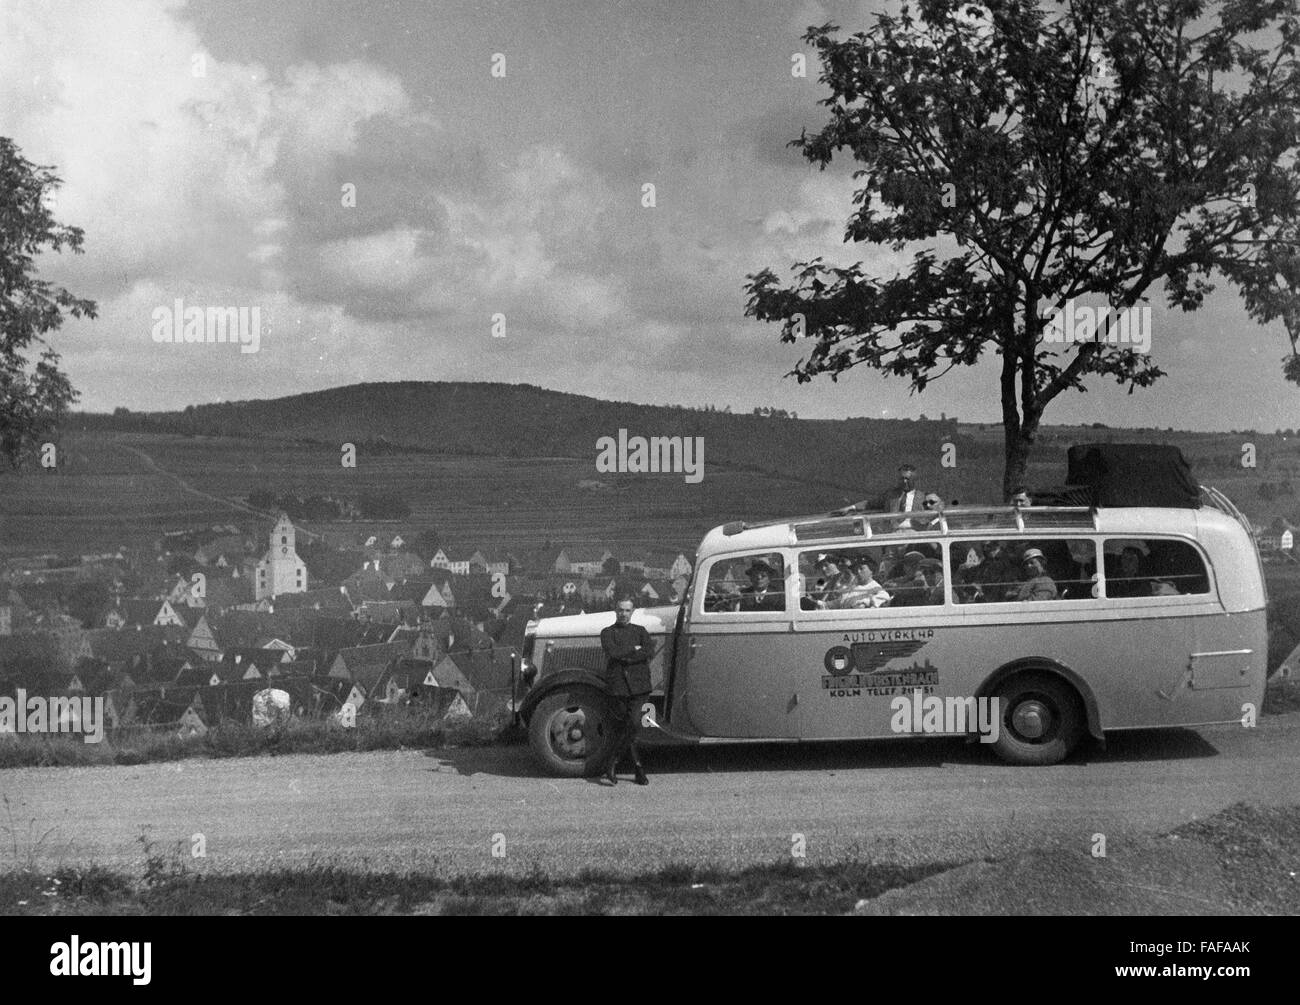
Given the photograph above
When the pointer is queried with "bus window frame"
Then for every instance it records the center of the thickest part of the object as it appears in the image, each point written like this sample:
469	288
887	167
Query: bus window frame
873	613
1211	592
699	614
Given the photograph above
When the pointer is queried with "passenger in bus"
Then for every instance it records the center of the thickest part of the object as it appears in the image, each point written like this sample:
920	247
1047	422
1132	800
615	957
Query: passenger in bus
1127	580
1020	498
932	572
865	592
902	498
933	506
1078	579
831	583
908	587
1037	585
991	576
760	595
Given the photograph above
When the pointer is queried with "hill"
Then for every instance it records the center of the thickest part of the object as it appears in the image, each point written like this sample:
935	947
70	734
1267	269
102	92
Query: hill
520	420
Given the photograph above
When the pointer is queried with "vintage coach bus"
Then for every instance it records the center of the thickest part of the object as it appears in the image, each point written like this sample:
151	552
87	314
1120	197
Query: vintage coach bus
1077	619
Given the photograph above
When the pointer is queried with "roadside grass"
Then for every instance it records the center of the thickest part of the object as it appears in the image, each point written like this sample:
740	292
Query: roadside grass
167	887
1257	849
392	729
396	729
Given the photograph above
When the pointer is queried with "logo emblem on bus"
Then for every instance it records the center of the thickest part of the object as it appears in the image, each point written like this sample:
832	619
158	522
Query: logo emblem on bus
868	657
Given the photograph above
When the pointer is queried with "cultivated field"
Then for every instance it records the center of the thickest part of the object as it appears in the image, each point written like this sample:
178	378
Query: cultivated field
113	488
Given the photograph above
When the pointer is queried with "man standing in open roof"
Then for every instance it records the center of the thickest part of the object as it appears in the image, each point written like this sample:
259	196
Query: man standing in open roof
902	498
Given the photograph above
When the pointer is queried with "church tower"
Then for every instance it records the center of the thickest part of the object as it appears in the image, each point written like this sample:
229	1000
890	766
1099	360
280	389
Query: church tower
281	570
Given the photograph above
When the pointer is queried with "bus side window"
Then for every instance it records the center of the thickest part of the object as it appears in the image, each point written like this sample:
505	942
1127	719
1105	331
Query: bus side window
1141	567
746	584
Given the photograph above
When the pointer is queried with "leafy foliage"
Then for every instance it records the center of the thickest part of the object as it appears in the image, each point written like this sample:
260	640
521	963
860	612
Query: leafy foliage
33	397
1032	156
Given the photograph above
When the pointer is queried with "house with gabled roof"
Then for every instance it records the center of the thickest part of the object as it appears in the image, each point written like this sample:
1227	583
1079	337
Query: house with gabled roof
401	565
112	615
389	612
191	723
447	673
462	561
152	612
251	664
367	583
136	648
430	592
331	600
201	674
421	639
665	563
496	560
364	663
580	560
203	641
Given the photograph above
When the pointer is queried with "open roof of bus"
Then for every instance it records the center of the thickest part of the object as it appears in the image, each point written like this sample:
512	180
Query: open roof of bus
1003	520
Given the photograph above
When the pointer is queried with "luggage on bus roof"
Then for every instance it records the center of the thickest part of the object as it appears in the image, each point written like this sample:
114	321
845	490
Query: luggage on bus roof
1134	474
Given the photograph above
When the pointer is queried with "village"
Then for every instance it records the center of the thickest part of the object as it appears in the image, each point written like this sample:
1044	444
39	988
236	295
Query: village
180	637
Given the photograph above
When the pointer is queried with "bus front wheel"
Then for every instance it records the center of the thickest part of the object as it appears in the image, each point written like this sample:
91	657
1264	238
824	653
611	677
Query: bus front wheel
571	732
1041	720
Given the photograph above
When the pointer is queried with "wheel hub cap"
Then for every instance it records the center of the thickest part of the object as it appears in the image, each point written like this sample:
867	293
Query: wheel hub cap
1031	719
569	733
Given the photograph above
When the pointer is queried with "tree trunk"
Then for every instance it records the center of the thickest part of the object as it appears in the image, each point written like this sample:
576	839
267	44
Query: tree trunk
1016	460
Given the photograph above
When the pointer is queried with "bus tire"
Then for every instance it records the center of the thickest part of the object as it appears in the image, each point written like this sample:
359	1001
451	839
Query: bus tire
1041	720
571	732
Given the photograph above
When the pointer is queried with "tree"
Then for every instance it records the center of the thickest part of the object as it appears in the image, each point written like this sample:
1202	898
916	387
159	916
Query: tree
1034	157
33	397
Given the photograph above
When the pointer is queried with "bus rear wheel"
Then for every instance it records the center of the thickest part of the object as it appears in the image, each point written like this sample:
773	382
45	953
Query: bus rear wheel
1041	720
572	732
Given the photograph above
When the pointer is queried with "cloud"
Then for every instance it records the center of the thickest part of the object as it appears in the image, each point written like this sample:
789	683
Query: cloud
175	163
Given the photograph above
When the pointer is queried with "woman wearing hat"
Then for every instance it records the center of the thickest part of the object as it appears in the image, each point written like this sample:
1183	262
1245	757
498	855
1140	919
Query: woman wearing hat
865	592
1038	585
833	580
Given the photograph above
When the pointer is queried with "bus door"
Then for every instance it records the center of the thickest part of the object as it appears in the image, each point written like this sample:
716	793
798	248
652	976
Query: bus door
737	679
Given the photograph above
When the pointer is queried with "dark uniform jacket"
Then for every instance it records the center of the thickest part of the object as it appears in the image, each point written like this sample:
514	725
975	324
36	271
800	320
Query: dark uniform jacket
627	672
772	600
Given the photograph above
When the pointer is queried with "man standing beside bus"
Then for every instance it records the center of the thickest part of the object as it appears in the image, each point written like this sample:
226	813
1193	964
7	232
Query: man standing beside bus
628	649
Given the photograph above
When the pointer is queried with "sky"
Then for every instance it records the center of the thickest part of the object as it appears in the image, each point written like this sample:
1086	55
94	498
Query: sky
210	151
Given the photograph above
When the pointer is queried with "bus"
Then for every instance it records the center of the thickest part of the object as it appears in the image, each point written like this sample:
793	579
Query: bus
1060	622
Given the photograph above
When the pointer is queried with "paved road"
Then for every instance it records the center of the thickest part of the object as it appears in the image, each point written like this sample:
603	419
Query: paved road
902	801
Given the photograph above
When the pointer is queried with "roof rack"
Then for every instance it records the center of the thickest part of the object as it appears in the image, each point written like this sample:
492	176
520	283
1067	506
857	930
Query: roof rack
1225	505
985	518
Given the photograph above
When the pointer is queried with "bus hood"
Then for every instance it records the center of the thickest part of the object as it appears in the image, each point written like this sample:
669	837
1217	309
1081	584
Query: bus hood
656	620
